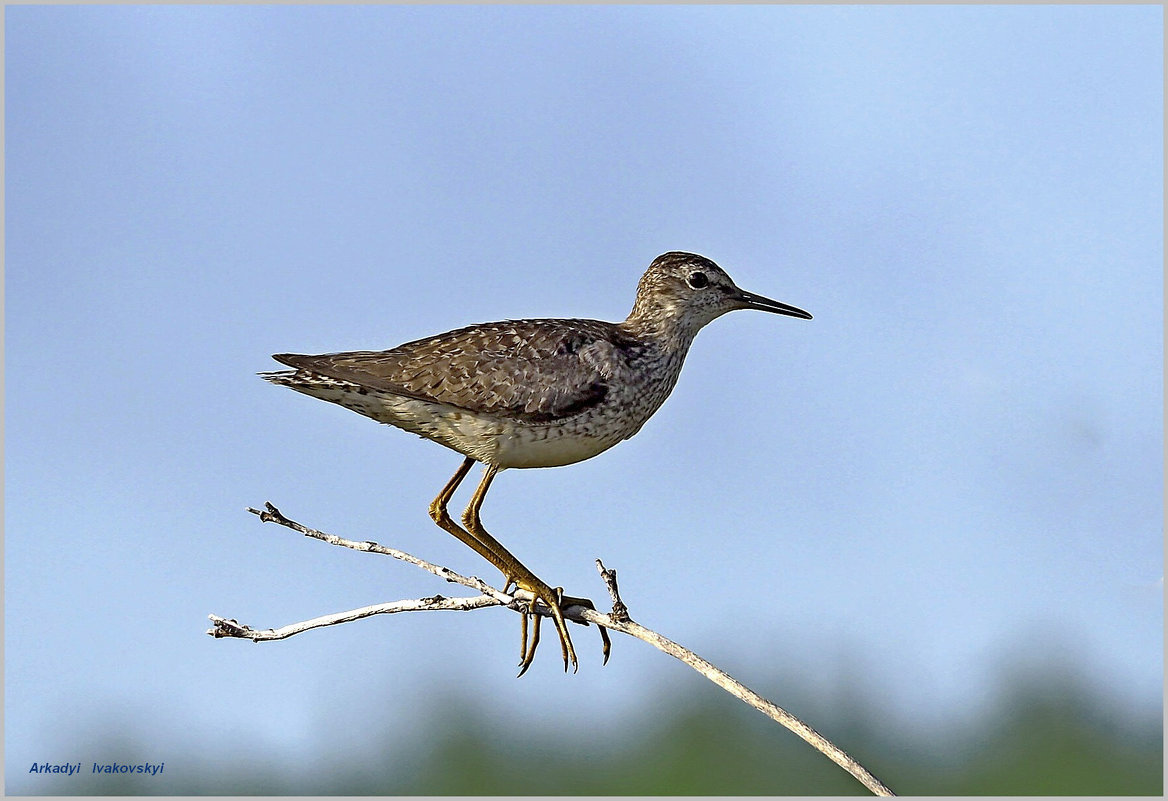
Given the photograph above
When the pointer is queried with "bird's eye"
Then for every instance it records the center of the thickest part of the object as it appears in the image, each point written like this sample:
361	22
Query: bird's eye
698	280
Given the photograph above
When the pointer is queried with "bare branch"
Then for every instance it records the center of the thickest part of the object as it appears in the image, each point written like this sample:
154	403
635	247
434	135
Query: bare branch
620	612
233	628
618	620
728	683
273	515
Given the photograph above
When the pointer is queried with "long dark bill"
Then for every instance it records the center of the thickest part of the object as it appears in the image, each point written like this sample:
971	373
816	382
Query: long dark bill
749	300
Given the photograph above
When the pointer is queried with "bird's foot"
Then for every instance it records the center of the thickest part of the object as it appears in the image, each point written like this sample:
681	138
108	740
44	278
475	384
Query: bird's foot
567	601
555	601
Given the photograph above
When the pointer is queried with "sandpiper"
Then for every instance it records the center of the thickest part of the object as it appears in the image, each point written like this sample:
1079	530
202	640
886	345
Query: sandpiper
532	393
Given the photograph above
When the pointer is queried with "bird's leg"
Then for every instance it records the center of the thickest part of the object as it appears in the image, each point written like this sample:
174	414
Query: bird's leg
525	579
514	570
440	516
486	549
438	511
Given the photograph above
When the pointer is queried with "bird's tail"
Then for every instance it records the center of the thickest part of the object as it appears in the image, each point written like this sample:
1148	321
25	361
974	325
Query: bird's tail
285	378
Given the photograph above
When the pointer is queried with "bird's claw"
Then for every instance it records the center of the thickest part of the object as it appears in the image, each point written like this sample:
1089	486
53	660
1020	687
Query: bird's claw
555	601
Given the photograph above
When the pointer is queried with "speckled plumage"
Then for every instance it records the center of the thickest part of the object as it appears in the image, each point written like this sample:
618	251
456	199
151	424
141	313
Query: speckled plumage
533	393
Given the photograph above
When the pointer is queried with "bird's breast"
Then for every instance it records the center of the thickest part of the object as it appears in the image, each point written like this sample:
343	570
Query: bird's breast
631	400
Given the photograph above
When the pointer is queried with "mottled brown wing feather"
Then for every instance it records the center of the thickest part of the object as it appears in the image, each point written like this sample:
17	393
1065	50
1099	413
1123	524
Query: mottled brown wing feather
533	370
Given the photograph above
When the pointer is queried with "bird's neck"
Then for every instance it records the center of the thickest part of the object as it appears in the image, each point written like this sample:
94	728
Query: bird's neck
662	327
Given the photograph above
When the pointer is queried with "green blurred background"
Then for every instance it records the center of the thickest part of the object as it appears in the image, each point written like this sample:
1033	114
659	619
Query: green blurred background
1046	730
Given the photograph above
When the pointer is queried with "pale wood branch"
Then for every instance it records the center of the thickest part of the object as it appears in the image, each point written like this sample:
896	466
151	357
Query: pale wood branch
223	627
519	601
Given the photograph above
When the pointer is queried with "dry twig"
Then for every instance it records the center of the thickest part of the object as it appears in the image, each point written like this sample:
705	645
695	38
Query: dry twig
617	620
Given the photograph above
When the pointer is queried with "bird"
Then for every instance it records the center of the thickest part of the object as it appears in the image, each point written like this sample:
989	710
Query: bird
532	393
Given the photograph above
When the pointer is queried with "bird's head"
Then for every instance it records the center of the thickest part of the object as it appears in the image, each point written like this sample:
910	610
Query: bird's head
686	291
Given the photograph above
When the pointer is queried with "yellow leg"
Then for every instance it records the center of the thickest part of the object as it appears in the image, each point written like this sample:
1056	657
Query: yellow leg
477	537
440	516
514	570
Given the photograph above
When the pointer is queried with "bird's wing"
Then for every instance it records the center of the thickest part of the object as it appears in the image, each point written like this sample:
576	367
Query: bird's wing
533	370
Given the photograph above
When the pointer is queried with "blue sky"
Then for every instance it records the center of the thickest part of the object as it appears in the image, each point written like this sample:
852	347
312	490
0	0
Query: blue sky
957	461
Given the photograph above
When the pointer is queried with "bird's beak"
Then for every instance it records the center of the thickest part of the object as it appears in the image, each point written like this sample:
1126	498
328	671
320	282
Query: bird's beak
749	300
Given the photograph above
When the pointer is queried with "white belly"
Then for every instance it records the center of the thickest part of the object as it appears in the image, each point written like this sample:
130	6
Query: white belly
548	446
